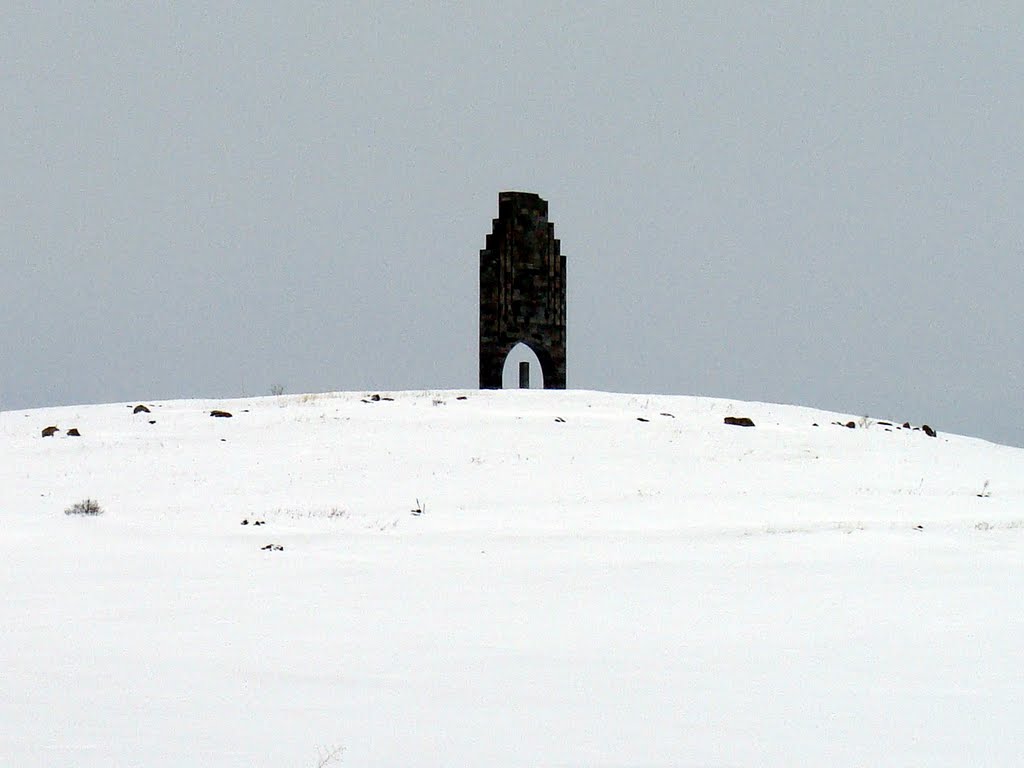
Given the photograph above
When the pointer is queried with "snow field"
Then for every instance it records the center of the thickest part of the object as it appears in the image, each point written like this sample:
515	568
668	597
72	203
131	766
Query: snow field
598	592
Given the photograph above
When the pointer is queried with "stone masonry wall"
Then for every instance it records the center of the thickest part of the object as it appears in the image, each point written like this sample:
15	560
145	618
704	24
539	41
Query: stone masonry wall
522	290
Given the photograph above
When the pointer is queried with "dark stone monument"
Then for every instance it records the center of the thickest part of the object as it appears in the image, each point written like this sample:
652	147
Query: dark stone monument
522	290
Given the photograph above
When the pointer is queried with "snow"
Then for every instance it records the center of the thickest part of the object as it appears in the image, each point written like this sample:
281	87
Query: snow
600	591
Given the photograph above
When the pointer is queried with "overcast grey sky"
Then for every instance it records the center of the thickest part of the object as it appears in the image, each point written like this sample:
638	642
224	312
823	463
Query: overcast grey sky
795	202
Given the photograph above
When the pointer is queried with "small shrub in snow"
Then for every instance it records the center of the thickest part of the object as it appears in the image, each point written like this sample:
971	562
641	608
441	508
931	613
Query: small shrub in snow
334	513
328	755
84	507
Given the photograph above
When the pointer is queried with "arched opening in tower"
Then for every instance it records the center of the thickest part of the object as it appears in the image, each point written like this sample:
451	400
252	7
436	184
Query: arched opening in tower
512	370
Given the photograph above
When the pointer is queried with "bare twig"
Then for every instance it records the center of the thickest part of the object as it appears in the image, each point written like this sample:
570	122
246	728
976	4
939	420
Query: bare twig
328	755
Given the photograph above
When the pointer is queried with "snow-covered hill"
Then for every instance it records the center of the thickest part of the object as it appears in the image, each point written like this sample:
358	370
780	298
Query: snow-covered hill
506	579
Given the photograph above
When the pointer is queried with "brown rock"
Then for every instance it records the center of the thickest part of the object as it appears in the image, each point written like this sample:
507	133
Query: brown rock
49	431
739	421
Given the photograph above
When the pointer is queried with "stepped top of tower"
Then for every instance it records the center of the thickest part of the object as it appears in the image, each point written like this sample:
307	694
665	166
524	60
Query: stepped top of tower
522	201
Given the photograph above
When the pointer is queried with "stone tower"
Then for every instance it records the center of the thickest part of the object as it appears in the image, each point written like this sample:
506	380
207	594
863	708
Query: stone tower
522	290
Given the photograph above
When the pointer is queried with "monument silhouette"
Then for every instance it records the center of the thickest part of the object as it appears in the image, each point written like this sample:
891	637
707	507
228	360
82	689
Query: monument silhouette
522	291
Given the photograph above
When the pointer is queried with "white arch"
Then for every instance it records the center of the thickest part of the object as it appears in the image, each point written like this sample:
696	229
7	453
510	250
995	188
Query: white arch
521	353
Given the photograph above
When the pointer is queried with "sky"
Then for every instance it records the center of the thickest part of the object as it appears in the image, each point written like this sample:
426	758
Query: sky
803	203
